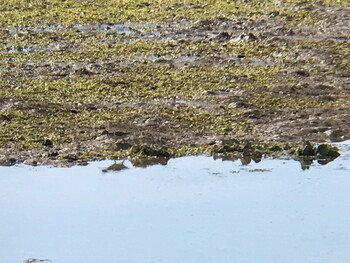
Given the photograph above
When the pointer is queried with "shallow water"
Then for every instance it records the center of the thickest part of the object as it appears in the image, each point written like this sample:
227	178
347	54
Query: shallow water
195	209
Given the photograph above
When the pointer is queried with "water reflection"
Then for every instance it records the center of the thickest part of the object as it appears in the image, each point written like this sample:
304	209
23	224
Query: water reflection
145	162
194	209
246	158
306	162
115	167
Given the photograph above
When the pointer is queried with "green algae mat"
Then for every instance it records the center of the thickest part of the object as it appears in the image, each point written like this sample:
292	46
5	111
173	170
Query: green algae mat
82	80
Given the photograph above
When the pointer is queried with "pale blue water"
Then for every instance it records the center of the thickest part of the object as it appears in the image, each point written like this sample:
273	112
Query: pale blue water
195	209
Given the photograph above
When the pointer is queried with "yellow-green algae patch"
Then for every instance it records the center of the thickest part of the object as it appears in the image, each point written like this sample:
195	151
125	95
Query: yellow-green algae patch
19	12
137	83
27	129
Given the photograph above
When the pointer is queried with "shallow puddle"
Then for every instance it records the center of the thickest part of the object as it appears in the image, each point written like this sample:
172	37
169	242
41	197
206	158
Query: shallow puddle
194	209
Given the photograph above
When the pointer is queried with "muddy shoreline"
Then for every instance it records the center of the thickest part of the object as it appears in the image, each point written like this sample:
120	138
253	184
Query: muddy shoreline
250	84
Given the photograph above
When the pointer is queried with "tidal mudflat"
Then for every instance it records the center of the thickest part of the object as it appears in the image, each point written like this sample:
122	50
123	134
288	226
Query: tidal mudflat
82	81
194	209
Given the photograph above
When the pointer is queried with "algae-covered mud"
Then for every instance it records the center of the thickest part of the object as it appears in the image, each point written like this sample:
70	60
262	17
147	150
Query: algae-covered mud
82	80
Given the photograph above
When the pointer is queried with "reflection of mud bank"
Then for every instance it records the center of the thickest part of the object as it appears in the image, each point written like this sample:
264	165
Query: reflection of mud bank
232	150
306	154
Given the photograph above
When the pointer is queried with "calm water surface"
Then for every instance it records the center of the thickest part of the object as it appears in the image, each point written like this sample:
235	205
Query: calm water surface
195	209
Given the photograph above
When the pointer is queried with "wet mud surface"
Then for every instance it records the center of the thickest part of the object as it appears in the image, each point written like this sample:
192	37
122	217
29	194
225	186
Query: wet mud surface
262	83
